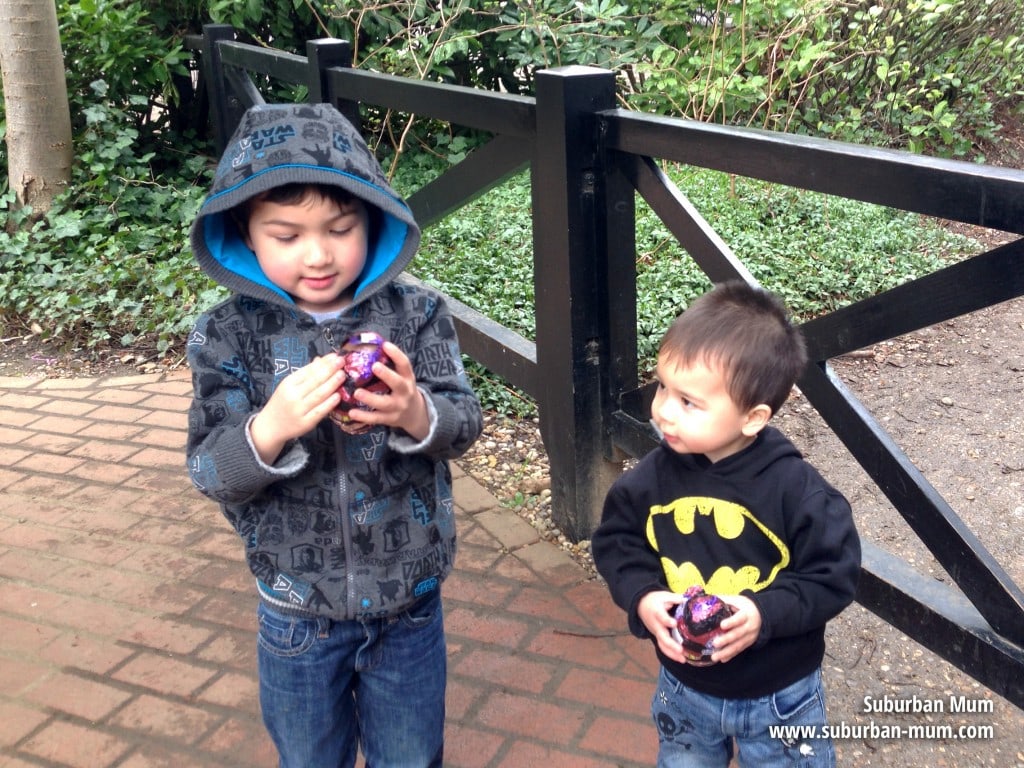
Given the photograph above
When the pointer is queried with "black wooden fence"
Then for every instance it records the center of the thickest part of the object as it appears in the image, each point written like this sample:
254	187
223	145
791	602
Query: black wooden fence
588	161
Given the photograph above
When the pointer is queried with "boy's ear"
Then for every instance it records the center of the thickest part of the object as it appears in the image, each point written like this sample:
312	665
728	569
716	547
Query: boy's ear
757	419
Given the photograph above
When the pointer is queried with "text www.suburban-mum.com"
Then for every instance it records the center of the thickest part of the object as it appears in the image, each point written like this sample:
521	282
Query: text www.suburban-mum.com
873	730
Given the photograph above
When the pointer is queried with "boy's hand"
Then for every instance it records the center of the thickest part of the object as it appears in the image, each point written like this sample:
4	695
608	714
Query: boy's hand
655	611
739	631
300	402
403	407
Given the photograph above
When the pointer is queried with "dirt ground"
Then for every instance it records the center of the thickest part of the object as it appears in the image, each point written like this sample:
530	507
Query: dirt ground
950	397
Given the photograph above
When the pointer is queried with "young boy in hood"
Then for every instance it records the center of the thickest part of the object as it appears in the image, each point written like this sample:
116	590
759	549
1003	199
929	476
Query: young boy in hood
727	504
349	532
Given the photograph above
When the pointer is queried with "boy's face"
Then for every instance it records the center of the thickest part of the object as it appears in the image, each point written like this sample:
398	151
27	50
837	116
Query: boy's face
695	413
313	249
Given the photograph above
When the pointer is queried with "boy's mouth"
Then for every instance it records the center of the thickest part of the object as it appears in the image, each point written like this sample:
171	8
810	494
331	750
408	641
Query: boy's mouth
319	283
674	441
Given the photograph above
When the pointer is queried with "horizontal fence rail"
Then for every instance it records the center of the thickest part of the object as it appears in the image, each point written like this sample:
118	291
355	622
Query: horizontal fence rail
588	163
984	195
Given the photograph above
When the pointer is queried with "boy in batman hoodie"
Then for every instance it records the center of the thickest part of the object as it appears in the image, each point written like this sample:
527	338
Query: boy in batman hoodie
726	503
348	532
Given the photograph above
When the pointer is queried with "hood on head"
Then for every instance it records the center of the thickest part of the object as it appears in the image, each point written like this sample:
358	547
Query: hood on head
277	144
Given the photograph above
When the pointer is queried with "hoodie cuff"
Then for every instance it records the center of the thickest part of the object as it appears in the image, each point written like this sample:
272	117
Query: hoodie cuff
401	441
290	462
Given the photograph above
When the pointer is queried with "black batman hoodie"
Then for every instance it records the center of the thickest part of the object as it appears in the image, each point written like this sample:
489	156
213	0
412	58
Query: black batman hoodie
762	523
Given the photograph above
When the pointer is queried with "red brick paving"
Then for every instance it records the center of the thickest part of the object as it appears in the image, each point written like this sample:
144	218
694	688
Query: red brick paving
126	616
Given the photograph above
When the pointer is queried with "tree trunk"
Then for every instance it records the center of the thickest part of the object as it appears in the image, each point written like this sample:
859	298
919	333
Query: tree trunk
39	149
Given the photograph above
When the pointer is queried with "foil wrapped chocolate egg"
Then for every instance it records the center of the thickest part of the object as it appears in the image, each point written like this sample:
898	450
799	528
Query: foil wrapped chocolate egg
698	619
360	351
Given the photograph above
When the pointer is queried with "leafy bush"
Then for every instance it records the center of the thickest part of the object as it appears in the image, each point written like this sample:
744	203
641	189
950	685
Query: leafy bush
928	75
117	40
917	74
921	74
109	264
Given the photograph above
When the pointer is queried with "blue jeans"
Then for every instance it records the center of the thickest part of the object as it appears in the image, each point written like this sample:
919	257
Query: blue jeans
330	687
697	731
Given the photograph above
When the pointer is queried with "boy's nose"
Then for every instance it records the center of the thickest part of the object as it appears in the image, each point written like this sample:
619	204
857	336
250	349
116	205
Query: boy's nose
658	410
318	252
662	410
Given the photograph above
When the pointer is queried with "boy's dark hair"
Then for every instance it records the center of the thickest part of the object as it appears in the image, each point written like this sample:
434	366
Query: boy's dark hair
293	194
296	192
746	331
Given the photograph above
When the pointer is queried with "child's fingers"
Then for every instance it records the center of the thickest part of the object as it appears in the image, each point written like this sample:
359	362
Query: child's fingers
399	379
378	403
402	365
310	389
398	357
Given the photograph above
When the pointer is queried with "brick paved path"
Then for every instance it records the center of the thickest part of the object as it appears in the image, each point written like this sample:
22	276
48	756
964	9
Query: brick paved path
127	615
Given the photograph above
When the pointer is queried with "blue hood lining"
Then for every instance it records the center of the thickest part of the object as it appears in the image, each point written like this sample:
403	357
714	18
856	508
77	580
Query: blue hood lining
226	246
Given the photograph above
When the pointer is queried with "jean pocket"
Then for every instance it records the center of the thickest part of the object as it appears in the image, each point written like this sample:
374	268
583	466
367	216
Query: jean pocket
423	612
802	698
284	635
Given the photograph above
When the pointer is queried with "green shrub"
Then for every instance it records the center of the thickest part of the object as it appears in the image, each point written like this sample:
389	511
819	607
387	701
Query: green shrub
117	41
918	74
109	264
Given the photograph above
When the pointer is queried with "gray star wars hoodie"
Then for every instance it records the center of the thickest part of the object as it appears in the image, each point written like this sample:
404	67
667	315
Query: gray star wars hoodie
344	526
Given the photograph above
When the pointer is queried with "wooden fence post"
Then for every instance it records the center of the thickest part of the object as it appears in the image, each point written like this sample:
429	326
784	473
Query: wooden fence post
571	284
219	95
322	55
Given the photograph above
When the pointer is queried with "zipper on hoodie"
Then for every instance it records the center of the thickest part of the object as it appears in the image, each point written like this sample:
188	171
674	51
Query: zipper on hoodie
328	337
346	523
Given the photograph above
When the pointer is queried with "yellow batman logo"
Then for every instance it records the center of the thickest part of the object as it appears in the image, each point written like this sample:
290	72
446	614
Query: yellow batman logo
717	569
